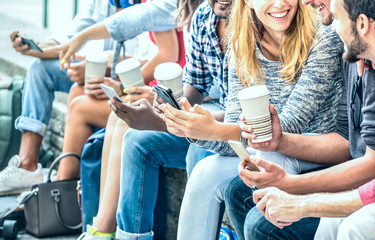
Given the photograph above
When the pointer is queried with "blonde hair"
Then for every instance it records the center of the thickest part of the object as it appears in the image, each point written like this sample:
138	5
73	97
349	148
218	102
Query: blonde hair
295	45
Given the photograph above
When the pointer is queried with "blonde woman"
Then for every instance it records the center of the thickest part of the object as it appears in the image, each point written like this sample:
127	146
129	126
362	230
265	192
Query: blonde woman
276	43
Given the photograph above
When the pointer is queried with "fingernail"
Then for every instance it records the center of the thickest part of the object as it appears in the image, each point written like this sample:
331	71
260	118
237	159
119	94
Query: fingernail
125	90
62	62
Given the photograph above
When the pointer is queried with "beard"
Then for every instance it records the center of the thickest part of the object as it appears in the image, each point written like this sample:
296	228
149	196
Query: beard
355	47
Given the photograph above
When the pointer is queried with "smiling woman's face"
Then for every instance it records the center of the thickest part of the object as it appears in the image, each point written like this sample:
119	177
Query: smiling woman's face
275	15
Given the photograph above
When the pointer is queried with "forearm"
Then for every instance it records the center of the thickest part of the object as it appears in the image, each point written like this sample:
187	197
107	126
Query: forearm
95	32
331	205
329	148
342	177
227	131
192	95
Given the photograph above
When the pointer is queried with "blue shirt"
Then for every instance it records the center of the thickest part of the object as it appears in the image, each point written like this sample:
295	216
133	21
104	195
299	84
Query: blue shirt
205	63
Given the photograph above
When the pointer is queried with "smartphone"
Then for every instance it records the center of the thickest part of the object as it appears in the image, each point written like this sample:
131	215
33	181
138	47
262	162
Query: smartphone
167	95
243	154
31	43
110	92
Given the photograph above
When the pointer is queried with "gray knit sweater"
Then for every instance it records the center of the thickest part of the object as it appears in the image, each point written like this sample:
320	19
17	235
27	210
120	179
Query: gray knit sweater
308	105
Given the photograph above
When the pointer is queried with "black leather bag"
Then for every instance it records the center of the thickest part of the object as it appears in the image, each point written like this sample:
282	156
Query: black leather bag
52	207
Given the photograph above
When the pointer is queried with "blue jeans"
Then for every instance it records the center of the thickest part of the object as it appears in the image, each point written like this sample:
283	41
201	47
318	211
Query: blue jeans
194	155
142	154
249	223
43	78
203	207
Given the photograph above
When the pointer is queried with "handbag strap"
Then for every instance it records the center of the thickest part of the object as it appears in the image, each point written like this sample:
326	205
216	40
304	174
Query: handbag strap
57	160
56	198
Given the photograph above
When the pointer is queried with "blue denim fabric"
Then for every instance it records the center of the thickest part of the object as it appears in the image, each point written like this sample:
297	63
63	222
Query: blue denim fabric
91	162
249	223
43	78
194	155
142	154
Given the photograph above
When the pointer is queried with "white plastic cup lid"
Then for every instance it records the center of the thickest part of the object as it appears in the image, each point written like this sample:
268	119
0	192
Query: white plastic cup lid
253	92
127	65
97	57
167	71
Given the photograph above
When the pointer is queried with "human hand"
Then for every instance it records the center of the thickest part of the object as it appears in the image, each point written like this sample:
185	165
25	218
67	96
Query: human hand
94	89
362	66
76	72
157	102
137	92
278	207
139	115
270	174
68	50
24	49
277	135
193	122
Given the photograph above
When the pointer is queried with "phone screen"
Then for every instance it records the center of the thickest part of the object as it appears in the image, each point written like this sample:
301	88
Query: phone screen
110	92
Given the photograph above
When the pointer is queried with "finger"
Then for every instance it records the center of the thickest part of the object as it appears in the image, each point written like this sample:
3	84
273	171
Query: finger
267	166
124	107
62	60
258	195
97	81
175	113
242	165
261	205
13	36
80	58
199	109
134	89
185	104
242	117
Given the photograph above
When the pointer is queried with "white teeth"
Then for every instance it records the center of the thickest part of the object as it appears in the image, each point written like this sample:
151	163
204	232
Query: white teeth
279	15
321	7
224	3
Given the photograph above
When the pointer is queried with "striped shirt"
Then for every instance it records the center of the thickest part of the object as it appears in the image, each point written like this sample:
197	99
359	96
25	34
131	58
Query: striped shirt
308	105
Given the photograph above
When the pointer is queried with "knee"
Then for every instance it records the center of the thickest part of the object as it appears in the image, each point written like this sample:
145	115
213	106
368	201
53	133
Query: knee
232	192
133	138
76	90
255	225
78	105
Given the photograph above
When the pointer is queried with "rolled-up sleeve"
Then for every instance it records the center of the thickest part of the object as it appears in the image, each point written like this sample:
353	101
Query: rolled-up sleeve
157	15
367	192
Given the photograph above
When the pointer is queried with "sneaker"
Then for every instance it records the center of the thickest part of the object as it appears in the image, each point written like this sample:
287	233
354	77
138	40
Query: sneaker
93	234
14	180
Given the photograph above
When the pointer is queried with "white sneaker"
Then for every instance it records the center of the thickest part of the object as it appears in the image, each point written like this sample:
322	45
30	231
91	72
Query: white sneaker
14	180
93	234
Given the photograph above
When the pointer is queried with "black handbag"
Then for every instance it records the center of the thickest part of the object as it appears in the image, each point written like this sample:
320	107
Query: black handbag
52	208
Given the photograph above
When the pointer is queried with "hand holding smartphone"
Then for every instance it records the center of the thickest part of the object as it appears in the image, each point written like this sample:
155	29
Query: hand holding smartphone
31	43
167	95
243	154
110	92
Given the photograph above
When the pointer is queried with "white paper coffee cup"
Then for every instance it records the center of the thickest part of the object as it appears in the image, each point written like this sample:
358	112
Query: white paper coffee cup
170	75
96	66
129	72
255	107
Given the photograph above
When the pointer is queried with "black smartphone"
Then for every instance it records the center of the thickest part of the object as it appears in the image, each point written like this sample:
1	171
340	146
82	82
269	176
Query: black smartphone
31	43
167	95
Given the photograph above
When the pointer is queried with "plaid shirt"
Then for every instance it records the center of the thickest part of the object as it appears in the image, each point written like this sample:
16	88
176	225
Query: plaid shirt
204	61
